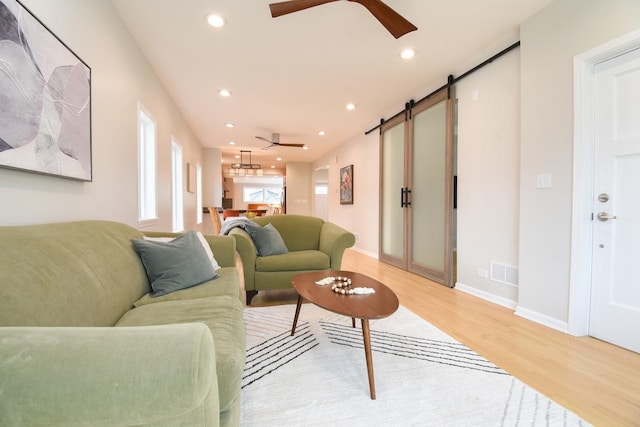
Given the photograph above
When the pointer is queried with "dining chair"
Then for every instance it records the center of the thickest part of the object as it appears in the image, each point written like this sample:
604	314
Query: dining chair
215	219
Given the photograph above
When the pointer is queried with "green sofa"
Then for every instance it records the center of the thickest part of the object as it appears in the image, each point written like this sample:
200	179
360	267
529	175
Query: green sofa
312	243
83	343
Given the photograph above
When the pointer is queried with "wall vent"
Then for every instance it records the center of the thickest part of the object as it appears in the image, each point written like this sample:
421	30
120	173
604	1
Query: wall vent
504	273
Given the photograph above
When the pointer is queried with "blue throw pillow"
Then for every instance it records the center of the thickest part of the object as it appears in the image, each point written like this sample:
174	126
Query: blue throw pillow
179	264
267	240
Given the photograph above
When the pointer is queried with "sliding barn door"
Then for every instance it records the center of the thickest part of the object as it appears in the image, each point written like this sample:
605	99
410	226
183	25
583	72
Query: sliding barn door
393	228
417	190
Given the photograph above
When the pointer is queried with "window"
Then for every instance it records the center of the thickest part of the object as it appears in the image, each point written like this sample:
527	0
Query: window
176	192
322	189
262	194
198	194
147	200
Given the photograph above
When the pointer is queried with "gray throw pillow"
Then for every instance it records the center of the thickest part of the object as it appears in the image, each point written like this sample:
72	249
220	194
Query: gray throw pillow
267	240
179	264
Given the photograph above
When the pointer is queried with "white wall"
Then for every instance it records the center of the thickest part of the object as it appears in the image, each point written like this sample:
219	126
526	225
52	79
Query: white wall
212	178
550	40
299	188
488	175
120	78
361	218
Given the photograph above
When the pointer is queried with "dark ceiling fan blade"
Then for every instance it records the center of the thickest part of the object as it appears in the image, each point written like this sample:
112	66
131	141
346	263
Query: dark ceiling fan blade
392	20
275	140
265	139
285	7
289	145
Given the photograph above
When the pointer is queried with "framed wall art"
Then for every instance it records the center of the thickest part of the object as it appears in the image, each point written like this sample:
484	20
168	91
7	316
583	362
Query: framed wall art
45	113
346	185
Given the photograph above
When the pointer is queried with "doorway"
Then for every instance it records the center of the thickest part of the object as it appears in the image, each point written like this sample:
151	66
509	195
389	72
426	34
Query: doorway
321	193
605	296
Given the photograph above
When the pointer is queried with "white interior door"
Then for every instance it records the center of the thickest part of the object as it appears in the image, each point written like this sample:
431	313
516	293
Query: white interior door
615	290
322	203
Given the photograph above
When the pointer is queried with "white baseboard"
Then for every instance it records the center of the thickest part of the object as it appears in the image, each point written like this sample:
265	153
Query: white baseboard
487	296
363	252
543	319
534	316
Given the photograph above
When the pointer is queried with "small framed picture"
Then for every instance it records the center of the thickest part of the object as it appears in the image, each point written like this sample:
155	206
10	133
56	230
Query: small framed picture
346	185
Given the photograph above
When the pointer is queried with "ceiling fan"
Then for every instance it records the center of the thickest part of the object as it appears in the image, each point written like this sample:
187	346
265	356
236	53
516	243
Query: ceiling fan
392	21
275	140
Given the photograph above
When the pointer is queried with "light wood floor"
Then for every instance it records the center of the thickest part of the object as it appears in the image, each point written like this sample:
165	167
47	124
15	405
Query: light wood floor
596	380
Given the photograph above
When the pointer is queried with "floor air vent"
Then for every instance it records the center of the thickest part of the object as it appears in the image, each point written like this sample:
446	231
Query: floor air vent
504	273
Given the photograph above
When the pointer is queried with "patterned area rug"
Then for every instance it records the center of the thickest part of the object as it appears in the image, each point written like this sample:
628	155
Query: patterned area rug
423	377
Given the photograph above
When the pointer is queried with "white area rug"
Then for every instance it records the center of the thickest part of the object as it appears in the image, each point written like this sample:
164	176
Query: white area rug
423	377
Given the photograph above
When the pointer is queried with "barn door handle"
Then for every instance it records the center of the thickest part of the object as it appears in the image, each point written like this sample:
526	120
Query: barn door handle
404	197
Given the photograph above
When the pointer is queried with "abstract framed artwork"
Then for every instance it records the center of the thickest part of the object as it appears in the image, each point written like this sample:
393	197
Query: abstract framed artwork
45	93
346	185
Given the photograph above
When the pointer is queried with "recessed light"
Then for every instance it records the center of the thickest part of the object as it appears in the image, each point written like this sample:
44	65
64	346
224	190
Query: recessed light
322	133
305	148
237	156
224	92
407	54
215	20
229	125
273	167
232	143
279	159
351	106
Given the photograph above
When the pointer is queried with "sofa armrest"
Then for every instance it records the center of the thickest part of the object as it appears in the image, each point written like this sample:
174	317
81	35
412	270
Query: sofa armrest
223	247
333	242
248	254
151	375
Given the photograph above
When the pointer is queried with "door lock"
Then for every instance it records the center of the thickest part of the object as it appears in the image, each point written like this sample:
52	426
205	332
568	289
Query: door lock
603	216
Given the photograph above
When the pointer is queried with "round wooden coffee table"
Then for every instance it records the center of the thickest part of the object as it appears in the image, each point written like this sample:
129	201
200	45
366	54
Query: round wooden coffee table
381	304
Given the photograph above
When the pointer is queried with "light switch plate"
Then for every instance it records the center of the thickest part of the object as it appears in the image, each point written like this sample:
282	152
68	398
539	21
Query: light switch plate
543	180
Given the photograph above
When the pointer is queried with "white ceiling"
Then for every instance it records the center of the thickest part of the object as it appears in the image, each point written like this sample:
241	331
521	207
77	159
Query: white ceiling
295	74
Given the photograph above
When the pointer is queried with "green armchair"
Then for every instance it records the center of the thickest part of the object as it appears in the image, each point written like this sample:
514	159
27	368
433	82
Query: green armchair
313	244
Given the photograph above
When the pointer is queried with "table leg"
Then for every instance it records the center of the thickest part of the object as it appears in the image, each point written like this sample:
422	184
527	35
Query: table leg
367	352
353	322
295	319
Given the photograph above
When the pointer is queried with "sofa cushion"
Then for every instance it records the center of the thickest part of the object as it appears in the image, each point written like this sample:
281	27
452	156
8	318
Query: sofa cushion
175	265
82	273
267	240
223	316
299	232
227	283
203	241
86	376
294	261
